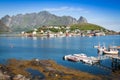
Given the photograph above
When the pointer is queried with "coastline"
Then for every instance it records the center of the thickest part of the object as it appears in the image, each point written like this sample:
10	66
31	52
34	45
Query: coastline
49	68
45	35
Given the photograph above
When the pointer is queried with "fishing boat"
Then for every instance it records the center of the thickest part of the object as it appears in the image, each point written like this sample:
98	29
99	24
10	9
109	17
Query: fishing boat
111	51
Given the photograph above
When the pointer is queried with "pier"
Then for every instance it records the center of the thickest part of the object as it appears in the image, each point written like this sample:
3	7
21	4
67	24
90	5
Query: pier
96	61
82	57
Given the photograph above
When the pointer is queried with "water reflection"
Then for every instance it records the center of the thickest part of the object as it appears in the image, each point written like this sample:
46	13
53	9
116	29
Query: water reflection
113	59
34	38
36	74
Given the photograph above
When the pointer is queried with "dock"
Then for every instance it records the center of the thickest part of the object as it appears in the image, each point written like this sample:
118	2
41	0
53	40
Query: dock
81	58
96	61
90	60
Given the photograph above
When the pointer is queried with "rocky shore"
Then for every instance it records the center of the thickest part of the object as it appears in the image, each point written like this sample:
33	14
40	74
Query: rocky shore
49	70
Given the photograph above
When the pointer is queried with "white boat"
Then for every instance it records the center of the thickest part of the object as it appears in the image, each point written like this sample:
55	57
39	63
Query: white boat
73	58
111	51
90	60
66	57
87	61
80	55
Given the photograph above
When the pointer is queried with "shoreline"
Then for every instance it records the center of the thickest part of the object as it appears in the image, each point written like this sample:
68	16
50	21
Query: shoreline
45	35
49	70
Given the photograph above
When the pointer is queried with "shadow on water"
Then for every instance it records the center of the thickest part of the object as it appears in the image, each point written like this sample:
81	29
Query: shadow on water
35	74
114	63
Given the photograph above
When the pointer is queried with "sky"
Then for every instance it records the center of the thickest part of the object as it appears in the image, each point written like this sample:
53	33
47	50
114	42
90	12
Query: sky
105	13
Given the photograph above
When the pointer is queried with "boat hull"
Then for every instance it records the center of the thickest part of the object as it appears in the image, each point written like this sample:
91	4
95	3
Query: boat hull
110	52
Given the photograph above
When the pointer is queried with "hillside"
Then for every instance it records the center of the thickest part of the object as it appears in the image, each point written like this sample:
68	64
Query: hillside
86	26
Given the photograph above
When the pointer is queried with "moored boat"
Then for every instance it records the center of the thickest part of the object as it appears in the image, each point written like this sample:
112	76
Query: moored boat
111	51
80	55
72	58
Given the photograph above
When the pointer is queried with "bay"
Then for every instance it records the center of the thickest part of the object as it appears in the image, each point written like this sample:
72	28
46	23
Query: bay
28	48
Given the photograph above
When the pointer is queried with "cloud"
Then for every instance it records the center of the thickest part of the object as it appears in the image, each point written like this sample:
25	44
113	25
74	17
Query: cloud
65	9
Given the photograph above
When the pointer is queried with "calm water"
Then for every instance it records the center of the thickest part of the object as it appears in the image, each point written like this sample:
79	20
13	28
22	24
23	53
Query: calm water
55	49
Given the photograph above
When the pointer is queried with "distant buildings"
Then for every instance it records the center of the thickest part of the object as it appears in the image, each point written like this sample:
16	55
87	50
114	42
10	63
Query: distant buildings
56	31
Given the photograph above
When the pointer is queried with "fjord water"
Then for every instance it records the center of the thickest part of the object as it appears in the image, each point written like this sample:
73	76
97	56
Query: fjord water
55	48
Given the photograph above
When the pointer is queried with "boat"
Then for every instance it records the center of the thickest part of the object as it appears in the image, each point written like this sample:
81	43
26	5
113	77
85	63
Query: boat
80	55
72	58
75	57
90	60
66	57
111	51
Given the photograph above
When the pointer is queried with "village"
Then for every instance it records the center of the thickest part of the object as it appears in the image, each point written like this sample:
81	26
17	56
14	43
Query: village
63	31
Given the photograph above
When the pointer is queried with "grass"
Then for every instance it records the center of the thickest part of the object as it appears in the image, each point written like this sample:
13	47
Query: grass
86	26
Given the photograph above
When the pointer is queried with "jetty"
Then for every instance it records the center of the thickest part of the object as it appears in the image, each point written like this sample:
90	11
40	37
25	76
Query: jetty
81	58
90	60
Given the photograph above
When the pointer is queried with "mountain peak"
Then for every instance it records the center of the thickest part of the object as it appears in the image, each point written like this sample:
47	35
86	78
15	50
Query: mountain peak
44	12
82	20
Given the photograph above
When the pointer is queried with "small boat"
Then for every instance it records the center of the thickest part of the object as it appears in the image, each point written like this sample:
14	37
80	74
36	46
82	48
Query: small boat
90	60
87	61
66	57
72	58
111	51
80	55
75	57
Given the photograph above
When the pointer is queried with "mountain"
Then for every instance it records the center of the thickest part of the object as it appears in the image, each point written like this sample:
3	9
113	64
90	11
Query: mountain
27	21
3	27
82	20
